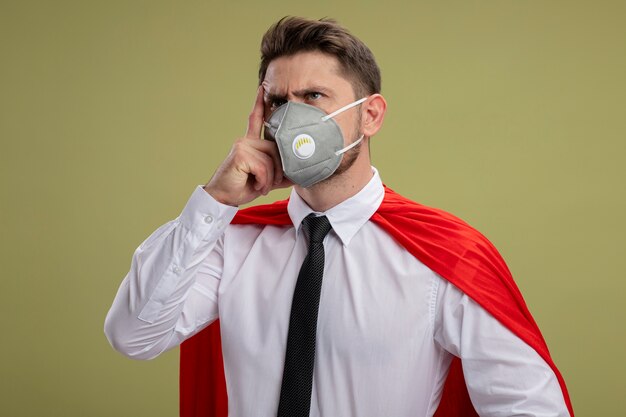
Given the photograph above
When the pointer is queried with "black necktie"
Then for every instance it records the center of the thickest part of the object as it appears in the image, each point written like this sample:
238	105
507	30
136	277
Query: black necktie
295	392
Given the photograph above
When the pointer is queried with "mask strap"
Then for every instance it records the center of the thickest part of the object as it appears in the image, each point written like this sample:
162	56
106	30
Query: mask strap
344	108
350	146
269	126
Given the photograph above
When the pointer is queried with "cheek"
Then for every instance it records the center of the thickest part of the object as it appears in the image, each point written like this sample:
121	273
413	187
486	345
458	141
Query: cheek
347	125
351	129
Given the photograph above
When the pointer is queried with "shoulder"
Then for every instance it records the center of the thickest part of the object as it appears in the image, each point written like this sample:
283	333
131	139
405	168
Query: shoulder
267	214
396	207
441	240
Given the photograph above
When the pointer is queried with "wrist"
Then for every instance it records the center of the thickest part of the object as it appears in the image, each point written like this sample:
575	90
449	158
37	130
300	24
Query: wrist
218	196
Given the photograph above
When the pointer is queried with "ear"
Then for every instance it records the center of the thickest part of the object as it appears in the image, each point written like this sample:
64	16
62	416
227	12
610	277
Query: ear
373	114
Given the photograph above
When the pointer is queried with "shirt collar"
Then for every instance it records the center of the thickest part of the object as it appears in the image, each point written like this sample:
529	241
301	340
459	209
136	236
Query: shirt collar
347	217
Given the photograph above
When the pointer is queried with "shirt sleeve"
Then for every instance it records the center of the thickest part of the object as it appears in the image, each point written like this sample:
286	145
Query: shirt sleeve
504	376
170	292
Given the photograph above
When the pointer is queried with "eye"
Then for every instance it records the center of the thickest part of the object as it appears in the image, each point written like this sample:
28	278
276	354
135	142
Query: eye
277	103
314	95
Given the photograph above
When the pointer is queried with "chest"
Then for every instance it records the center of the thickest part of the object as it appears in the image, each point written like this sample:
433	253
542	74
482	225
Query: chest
375	297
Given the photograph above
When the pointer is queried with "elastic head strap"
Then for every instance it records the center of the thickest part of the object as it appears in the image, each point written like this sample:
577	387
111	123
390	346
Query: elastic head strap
350	146
344	108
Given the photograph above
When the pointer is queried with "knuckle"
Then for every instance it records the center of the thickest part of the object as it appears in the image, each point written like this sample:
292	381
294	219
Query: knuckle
239	146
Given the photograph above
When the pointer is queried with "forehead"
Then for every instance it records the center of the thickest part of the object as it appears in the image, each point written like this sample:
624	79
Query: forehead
303	70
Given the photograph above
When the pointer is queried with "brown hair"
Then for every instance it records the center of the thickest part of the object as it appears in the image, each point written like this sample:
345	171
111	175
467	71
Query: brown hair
291	35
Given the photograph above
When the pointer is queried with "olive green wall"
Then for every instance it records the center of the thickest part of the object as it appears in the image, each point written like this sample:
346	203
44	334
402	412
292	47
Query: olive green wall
510	114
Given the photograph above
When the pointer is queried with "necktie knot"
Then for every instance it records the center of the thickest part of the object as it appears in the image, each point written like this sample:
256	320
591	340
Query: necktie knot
316	227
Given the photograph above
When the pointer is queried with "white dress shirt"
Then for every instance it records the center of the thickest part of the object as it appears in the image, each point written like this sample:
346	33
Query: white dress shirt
387	329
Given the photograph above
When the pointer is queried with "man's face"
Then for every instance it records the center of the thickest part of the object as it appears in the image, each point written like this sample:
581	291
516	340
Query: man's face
313	78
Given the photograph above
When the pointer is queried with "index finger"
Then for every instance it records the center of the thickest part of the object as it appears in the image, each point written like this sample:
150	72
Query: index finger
255	120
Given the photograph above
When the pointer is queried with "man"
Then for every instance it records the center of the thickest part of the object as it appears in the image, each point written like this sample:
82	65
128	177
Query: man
348	300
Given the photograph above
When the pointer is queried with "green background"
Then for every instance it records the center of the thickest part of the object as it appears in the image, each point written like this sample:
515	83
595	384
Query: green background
509	114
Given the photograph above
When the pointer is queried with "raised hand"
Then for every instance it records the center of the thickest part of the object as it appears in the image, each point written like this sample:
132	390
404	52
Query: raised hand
252	168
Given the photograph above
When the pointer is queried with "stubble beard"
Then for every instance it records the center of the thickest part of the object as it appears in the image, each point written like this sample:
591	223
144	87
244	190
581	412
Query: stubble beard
349	158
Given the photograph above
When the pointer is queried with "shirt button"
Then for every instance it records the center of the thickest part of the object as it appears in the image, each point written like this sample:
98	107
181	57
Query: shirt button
208	219
177	270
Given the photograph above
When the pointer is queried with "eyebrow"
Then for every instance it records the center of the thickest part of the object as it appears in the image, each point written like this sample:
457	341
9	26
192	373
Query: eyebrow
298	93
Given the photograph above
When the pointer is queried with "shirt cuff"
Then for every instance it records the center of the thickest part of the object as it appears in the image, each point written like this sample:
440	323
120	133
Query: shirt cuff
203	215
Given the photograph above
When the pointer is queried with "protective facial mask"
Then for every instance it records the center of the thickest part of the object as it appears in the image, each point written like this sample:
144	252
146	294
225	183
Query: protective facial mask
309	141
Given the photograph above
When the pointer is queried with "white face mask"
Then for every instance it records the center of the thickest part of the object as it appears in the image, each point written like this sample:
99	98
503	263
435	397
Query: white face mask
309	141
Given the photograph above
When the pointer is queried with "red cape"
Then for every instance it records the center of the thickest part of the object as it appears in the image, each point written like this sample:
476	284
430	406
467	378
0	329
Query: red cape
444	243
